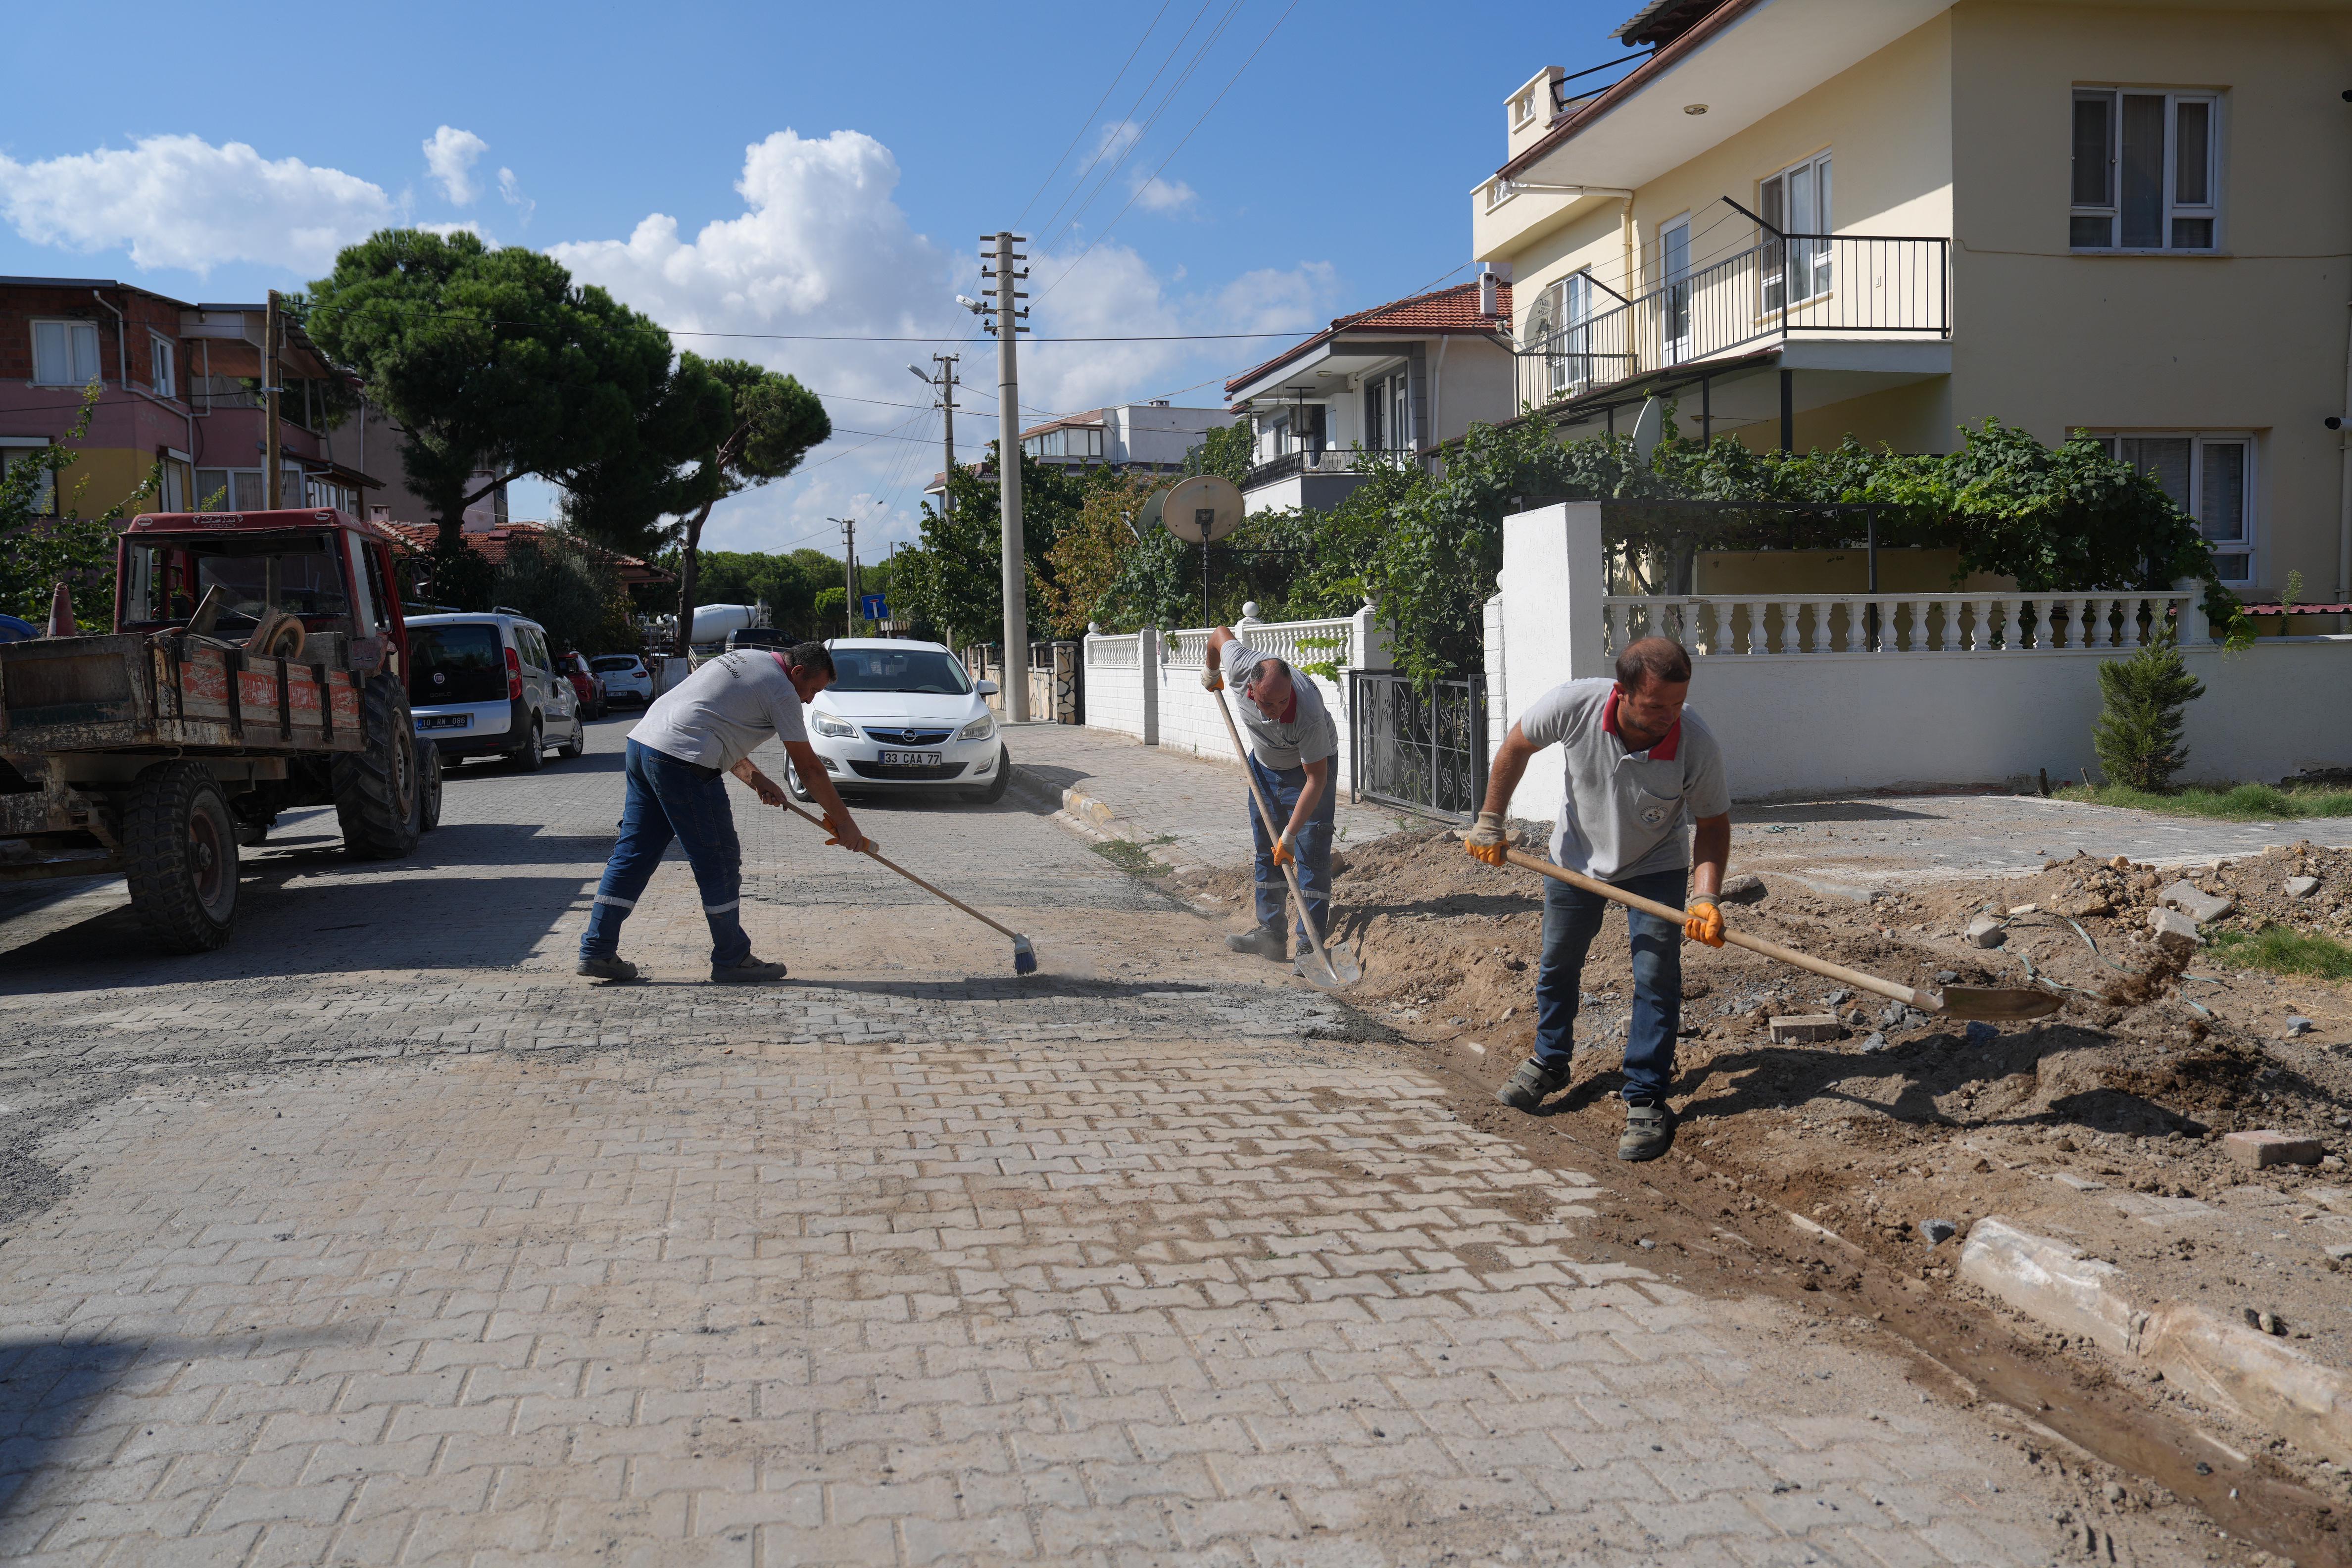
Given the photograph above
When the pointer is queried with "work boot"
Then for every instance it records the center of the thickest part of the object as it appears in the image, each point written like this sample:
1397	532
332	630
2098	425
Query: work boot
1532	1085
1266	942
1649	1130
745	971
613	969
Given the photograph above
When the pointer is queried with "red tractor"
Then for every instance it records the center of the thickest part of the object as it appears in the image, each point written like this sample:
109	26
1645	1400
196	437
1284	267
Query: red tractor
257	664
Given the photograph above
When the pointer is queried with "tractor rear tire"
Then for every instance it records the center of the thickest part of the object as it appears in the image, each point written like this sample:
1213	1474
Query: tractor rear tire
375	788
180	841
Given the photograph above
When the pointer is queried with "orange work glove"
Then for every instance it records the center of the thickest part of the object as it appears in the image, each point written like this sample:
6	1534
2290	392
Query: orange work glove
834	830
1285	851
1702	922
1490	839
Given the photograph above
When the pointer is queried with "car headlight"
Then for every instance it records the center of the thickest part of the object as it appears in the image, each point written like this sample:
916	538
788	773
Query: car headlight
835	728
980	729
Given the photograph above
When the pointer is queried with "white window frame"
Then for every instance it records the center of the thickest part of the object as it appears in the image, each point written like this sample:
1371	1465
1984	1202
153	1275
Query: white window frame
1676	349
2246	548
2176	210
163	365
1811	257
74	327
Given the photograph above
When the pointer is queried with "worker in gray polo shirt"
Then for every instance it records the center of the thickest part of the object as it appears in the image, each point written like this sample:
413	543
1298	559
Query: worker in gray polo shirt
1291	739
1639	767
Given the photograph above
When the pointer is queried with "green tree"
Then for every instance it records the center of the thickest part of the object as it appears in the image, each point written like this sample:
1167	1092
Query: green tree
2138	735
771	421
833	609
488	360
954	583
569	588
1225	450
45	542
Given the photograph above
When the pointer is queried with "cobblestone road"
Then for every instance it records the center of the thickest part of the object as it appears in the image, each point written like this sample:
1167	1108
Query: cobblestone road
381	1238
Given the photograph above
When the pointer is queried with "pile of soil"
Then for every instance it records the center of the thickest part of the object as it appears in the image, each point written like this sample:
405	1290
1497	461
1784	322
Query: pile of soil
2119	1098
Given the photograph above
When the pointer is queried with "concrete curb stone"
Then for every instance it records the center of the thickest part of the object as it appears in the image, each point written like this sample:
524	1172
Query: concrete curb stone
2053	1282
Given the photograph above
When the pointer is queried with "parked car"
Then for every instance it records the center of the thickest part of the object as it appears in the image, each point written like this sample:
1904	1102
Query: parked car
626	676
586	684
487	686
903	715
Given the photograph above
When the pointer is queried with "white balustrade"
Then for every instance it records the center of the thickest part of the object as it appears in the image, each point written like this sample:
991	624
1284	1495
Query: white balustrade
1866	624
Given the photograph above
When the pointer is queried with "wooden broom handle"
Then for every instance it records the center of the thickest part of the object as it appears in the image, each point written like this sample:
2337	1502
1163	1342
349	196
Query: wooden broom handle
935	892
1821	966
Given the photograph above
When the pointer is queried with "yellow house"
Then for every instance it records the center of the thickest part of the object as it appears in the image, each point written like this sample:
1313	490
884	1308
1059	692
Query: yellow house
1806	218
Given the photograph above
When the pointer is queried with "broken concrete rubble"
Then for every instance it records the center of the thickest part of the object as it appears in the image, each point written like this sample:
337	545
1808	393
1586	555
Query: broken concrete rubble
1802	1028
2173	929
1987	931
2199	905
2270	1147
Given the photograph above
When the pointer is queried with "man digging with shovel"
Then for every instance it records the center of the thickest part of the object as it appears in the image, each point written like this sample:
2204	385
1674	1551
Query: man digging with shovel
1639	766
1291	739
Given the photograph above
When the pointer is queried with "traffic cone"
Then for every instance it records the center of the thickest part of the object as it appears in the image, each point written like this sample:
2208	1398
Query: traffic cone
61	615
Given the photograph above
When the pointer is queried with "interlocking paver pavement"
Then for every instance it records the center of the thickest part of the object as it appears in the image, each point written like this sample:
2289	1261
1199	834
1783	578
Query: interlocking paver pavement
380	1238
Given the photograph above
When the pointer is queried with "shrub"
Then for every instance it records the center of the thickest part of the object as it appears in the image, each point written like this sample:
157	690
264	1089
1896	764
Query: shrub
2138	735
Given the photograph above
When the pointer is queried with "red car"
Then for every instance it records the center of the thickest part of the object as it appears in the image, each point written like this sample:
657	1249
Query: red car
586	684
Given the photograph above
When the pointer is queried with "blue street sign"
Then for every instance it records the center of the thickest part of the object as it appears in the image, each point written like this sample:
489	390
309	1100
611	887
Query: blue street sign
871	607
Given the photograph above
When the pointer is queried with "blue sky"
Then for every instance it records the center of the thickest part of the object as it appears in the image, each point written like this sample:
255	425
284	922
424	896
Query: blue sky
800	169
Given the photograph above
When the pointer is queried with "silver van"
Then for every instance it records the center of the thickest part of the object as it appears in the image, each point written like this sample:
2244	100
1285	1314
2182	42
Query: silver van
487	686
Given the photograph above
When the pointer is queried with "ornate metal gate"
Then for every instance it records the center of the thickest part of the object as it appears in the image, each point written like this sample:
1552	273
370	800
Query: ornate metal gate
1424	749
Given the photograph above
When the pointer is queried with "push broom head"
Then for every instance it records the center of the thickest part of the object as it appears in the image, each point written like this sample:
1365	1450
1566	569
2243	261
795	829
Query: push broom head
1025	957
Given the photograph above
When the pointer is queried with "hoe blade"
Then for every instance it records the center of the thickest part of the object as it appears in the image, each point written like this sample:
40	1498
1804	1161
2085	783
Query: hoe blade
1339	971
1998	1006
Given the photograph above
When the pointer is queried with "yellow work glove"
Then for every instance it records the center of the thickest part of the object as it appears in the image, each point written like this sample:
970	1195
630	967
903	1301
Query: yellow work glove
1702	922
1211	678
1490	839
1285	851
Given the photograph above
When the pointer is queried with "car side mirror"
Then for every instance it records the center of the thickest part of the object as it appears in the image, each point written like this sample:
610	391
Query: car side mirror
985	688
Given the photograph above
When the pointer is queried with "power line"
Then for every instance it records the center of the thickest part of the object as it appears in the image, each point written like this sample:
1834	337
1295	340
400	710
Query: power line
1090	114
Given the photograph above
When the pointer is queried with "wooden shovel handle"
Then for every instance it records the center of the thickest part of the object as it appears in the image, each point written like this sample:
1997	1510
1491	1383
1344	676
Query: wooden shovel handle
1926	1002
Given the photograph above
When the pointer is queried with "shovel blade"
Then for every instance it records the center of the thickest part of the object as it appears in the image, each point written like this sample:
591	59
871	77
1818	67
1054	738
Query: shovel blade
1997	1007
1338	971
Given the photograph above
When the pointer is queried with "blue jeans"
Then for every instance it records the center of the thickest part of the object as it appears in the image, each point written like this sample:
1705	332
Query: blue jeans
670	799
1571	920
1313	844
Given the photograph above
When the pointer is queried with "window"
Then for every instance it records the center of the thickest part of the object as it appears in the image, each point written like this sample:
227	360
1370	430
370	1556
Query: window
2210	478
172	494
1387	412
65	353
300	574
165	380
1796	200
19	452
230	489
1675	271
2147	171
1068	441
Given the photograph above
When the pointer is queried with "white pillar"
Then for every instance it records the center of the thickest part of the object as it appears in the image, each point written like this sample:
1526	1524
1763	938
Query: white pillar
1147	661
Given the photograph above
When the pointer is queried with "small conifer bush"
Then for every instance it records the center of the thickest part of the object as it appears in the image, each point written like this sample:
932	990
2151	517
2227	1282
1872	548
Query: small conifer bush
2138	735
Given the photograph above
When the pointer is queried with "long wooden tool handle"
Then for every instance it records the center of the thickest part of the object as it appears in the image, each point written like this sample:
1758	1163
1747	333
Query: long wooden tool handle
1821	966
935	892
1289	872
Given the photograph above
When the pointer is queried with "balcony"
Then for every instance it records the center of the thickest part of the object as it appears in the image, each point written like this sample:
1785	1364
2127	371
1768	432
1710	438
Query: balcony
1322	460
1785	286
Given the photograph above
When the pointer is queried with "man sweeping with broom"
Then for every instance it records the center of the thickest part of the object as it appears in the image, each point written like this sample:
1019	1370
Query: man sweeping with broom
1291	739
704	727
1639	766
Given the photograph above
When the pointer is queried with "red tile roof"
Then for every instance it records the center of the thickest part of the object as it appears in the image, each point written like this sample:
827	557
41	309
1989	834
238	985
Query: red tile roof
1453	310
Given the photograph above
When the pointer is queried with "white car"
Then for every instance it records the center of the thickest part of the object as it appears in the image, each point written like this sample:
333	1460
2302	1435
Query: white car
903	715
626	676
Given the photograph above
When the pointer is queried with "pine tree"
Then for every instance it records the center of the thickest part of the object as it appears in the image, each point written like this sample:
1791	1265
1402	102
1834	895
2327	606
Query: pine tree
2138	735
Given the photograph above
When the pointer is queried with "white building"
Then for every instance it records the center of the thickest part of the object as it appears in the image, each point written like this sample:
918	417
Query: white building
1132	437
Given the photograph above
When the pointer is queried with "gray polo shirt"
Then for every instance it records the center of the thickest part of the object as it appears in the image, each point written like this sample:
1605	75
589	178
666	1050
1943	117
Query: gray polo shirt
1310	736
724	711
1627	812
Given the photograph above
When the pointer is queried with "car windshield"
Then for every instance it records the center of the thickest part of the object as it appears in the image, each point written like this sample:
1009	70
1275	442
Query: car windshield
299	573
888	669
612	662
461	662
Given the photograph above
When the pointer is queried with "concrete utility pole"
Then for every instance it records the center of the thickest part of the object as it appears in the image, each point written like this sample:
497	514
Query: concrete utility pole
943	382
1008	329
272	471
848	574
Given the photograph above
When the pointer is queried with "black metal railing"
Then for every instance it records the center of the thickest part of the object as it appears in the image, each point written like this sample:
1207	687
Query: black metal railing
1322	460
1420	748
1858	285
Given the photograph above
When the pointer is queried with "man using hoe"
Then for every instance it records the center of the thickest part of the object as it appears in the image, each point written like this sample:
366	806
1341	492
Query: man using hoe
704	727
1639	766
1291	739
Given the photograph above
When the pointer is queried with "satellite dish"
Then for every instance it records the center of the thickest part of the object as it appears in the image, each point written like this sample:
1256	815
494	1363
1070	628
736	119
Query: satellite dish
1149	518
1203	509
1649	429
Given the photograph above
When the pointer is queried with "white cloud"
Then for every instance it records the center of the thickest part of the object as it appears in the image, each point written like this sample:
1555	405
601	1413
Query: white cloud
179	201
472	225
1158	196
510	191
451	153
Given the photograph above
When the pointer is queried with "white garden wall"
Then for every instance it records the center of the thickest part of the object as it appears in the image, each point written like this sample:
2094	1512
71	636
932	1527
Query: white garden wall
1960	694
1148	684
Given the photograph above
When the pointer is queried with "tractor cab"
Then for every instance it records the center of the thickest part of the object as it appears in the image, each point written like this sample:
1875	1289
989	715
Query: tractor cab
324	566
